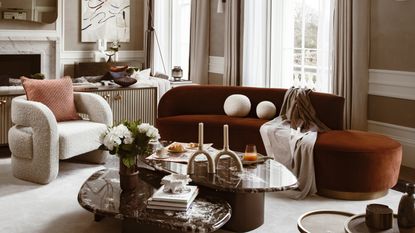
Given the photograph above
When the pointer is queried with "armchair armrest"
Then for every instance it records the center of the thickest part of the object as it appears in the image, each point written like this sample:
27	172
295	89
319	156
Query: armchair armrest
33	114
95	106
43	165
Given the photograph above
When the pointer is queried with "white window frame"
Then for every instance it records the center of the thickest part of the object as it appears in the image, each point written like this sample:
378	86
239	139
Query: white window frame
279	52
164	24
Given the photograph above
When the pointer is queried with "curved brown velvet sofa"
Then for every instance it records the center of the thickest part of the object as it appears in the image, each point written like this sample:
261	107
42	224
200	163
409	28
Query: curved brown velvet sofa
182	108
348	164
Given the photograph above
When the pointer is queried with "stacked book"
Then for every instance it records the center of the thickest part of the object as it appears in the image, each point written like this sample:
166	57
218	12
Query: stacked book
172	201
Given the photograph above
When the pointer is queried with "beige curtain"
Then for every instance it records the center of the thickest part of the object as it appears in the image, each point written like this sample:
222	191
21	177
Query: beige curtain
199	41
351	59
233	43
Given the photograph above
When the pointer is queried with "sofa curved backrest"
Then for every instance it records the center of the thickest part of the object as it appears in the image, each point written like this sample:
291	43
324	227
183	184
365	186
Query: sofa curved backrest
209	100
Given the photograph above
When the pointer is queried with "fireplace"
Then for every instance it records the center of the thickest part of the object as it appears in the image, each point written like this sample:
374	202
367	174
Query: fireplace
16	65
26	55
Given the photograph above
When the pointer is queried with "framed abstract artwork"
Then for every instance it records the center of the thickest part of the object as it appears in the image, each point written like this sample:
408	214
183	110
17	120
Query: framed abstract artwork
105	19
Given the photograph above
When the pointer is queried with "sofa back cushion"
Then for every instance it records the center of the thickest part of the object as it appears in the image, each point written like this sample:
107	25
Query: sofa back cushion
56	94
208	99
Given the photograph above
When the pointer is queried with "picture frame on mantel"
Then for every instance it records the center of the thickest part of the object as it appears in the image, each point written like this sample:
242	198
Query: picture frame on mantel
108	20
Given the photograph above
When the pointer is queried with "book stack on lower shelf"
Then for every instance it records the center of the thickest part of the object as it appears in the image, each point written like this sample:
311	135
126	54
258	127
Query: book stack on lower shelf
172	201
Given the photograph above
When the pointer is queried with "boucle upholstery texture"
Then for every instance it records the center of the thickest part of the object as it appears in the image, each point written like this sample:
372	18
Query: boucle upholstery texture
38	161
73	134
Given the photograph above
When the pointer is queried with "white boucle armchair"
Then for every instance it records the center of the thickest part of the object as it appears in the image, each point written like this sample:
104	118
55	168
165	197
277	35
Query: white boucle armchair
37	141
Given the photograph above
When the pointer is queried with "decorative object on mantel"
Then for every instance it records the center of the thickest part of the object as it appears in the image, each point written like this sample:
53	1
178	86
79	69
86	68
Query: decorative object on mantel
406	209
227	151
100	55
211	164
129	140
177	73
106	19
113	51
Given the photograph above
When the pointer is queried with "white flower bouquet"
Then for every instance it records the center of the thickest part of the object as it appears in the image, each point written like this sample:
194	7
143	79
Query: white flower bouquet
129	139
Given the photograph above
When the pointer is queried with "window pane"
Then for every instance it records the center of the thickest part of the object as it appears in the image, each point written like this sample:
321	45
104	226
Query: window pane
298	56
311	23
298	23
310	57
181	35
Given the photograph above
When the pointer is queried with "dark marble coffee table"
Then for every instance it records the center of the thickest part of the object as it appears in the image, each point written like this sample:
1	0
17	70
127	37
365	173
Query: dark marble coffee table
244	191
101	194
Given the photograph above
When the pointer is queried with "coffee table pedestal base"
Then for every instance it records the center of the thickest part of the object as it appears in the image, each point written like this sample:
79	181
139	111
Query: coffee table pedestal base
247	209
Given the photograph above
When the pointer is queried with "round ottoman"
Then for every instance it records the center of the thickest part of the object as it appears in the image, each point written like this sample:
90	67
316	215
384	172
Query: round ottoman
356	165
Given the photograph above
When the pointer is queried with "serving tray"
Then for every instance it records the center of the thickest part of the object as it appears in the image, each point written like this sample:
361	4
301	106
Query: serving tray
323	221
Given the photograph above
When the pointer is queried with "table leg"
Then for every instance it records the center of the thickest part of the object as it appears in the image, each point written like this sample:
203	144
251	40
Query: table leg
247	209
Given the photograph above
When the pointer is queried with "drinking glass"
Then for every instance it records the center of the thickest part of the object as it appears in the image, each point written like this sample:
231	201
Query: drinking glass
250	152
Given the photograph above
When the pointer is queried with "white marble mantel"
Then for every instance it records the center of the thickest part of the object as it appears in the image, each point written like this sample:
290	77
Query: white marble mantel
46	46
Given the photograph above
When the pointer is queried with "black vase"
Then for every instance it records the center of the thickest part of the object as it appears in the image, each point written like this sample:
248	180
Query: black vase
128	177
406	210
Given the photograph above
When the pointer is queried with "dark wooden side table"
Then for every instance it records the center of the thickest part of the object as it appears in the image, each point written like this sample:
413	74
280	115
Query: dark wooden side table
101	195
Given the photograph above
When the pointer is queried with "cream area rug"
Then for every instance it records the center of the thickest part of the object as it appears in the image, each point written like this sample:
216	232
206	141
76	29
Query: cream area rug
27	207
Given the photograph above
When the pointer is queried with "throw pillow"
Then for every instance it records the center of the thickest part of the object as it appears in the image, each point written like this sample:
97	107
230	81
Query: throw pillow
143	75
237	105
56	94
266	110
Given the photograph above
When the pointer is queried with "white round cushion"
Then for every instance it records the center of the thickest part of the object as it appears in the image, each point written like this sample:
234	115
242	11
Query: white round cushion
237	105
266	110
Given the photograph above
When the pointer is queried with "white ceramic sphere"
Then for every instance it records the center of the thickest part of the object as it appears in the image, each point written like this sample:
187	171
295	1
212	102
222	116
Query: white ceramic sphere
237	105
266	110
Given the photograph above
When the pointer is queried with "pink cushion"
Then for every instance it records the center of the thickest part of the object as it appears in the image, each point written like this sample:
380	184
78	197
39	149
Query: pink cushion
56	94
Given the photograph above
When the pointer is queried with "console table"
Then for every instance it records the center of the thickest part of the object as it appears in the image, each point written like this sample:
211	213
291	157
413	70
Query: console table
126	103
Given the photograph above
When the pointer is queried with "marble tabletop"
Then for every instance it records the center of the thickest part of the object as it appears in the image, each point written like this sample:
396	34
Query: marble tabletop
269	176
101	194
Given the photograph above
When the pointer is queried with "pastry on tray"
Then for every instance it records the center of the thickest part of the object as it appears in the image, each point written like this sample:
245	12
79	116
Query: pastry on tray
193	145
176	148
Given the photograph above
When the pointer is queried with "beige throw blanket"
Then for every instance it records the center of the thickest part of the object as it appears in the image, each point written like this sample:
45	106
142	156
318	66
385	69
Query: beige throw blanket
290	139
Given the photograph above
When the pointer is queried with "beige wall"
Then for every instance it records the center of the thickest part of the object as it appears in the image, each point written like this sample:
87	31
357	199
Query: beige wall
392	48
392	110
73	27
393	35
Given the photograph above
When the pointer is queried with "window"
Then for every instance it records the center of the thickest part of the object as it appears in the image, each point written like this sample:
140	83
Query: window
172	29
181	35
292	46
